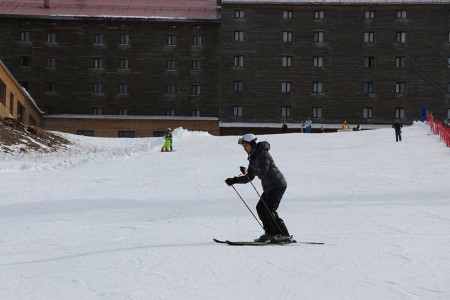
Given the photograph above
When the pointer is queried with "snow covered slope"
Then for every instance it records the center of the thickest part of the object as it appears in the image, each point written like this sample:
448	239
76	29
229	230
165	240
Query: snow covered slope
117	219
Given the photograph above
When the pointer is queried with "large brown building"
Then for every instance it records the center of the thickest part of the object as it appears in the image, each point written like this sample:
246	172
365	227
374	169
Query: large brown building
239	60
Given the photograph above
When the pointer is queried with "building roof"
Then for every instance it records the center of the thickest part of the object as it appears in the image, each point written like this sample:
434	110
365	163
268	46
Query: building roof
336	2
142	9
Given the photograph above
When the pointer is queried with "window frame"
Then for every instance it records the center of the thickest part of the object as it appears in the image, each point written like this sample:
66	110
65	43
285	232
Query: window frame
317	112
238	111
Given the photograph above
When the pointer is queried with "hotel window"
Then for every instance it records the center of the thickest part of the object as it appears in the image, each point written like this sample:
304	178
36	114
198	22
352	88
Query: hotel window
170	112
287	14
196	65
124	39
171	65
368	87
50	62
98	88
238	61
369	14
319	14
288	36
239	14
24	61
317	87
367	113
85	132
49	87
286	87
238	86
123	64
285	111
318	62
286	61
25	36
195	113
369	62
318	36
448	87
98	63
171	40
51	37
96	111
399	112
400	87
123	111
237	111
369	37
238	36
171	89
317	112
400	62
99	38
401	14
400	37
126	134
196	40
195	90
123	88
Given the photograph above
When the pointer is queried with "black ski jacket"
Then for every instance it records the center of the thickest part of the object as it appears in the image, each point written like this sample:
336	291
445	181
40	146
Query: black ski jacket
397	126
261	164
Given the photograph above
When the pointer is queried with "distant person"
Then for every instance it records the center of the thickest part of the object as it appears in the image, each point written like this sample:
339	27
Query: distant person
357	128
398	130
167	141
308	125
284	127
345	125
322	129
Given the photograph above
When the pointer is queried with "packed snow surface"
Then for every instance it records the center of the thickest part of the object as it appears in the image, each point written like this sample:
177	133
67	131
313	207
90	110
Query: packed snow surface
118	219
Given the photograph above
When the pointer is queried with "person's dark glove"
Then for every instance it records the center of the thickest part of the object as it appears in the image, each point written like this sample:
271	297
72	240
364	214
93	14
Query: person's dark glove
243	170
230	181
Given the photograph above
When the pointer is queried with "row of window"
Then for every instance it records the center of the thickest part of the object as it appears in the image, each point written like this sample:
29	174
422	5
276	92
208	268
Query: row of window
318	61
238	87
238	61
99	39
124	112
50	62
318	87
367	112
319	36
320	14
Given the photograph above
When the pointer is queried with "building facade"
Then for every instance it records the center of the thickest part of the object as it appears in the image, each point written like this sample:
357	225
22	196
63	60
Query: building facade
245	61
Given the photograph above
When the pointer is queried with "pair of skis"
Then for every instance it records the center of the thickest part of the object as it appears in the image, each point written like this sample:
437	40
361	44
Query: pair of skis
290	241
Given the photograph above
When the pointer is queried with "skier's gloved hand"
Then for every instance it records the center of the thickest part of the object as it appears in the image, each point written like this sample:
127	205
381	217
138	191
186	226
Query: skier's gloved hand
243	170
230	181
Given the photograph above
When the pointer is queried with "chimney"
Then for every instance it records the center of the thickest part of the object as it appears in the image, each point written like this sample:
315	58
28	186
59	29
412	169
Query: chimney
46	3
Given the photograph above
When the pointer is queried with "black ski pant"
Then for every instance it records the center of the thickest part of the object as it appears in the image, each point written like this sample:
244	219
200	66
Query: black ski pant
398	135
272	223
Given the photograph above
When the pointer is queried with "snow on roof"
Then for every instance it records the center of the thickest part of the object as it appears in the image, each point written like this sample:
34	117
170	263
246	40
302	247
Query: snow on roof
159	9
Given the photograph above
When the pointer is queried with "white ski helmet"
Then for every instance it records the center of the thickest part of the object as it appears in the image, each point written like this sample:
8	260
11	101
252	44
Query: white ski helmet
248	138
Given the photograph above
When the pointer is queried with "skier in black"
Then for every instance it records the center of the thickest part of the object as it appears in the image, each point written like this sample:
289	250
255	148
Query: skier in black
398	130
274	185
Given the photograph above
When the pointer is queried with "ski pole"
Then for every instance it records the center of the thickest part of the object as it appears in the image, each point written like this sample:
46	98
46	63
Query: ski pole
247	207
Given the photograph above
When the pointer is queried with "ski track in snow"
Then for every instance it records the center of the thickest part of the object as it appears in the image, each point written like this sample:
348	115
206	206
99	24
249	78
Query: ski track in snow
117	219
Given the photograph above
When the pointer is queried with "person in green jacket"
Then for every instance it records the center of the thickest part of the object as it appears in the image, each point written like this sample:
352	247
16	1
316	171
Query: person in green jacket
168	141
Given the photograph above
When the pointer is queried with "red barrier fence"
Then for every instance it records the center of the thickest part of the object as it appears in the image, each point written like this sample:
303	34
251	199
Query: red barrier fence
439	128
